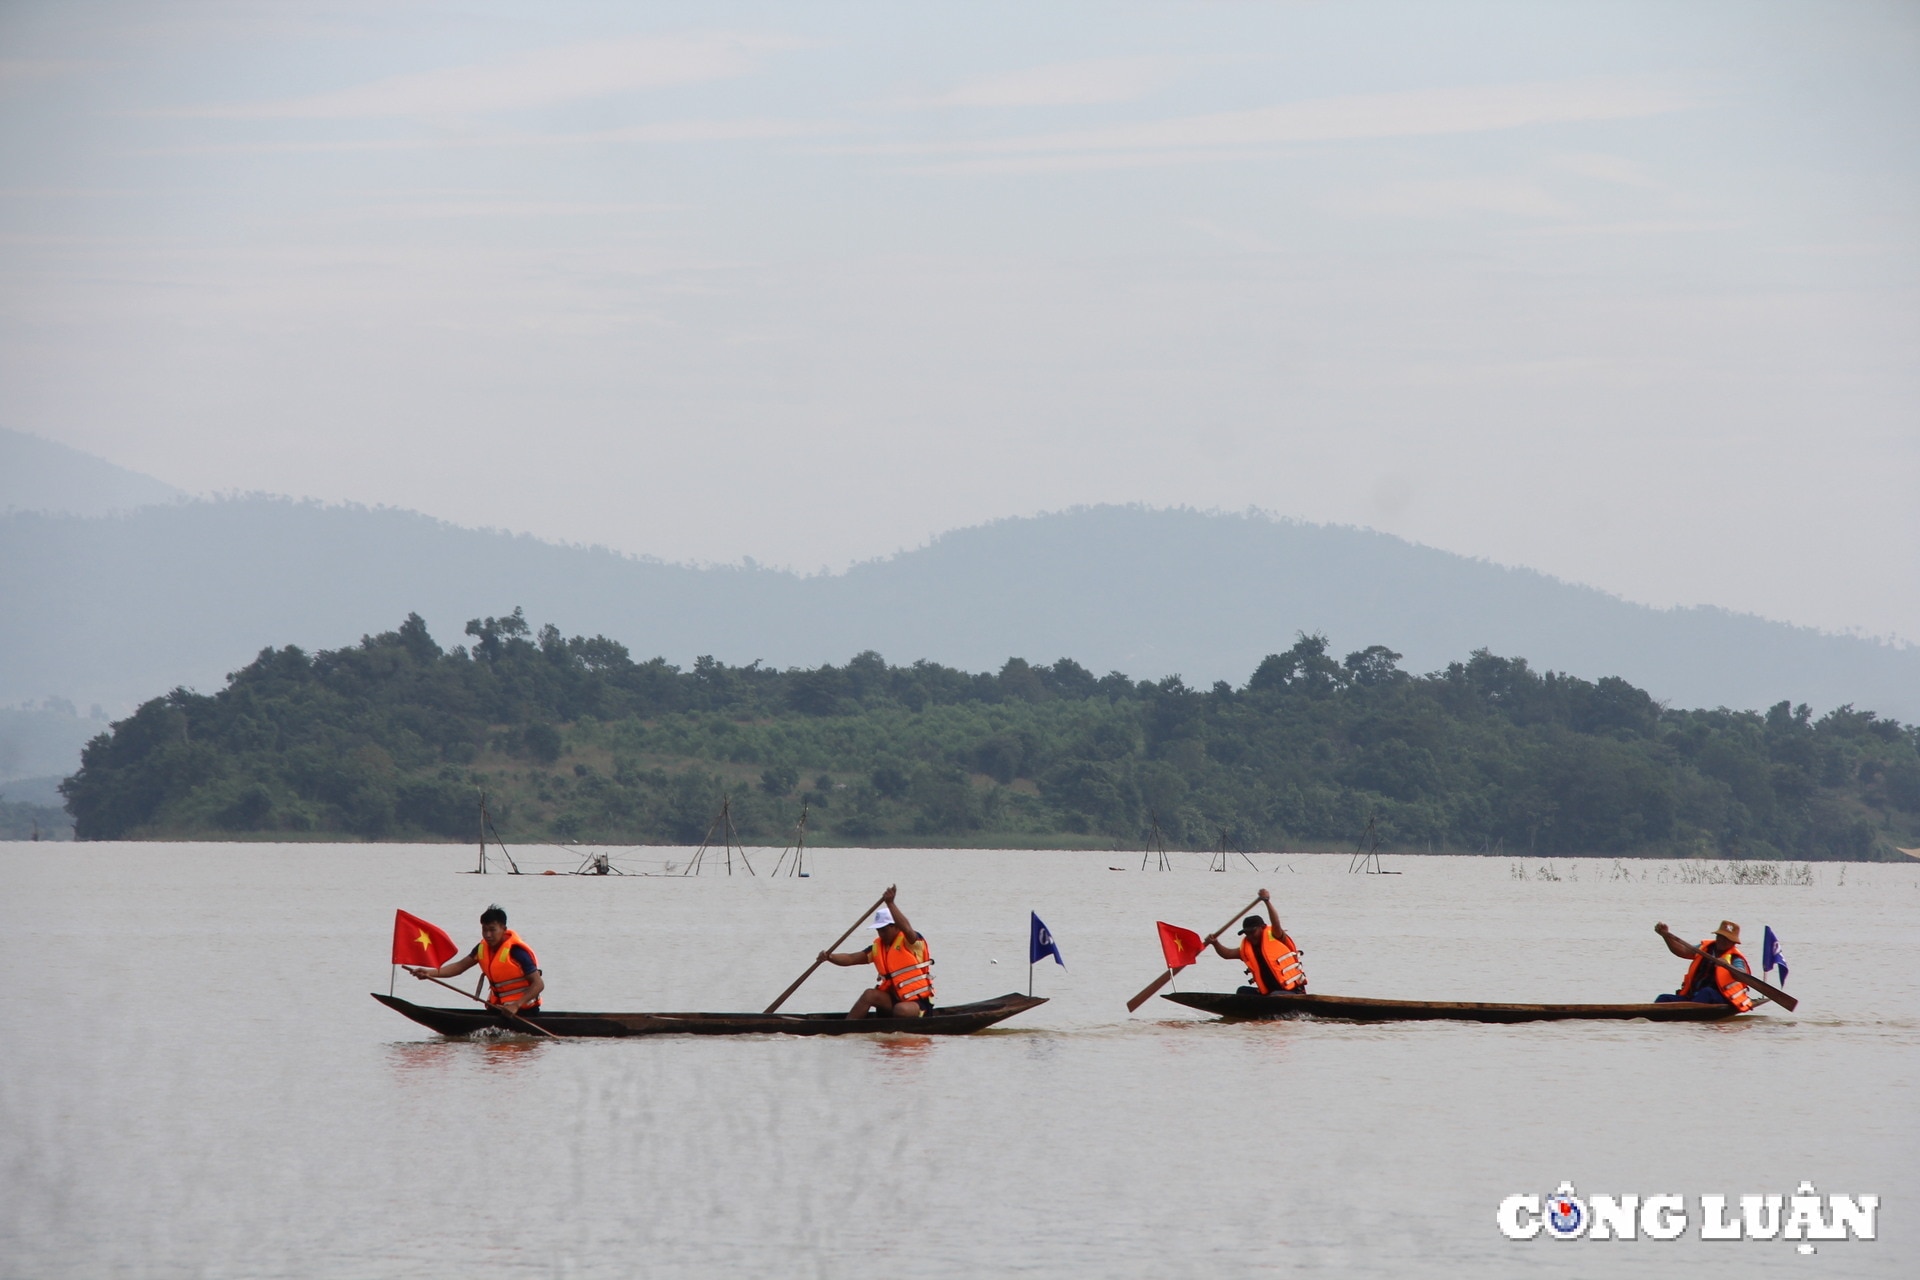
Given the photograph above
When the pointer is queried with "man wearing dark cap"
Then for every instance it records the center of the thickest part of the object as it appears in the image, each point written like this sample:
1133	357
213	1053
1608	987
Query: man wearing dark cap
1706	982
507	962
1269	952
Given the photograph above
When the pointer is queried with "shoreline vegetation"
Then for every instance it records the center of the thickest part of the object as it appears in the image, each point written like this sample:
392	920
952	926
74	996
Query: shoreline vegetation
573	742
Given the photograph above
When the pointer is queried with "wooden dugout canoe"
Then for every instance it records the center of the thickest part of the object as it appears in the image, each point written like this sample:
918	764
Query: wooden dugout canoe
1239	1008
945	1020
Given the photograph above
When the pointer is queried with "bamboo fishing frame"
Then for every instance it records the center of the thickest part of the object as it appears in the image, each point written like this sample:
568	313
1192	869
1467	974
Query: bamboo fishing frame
723	823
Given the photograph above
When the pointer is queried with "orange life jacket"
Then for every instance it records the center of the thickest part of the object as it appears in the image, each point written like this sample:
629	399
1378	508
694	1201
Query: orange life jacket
1729	986
905	971
1282	957
508	983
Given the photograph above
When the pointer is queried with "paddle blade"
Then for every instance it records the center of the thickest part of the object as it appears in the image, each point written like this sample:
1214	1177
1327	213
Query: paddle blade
1147	995
1772	992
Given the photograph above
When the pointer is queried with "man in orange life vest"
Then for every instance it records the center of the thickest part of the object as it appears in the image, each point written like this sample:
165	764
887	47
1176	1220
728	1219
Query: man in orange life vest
905	988
1269	952
511	970
1706	982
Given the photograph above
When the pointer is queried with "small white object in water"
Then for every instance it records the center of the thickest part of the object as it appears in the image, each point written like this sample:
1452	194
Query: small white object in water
993	962
1807	1248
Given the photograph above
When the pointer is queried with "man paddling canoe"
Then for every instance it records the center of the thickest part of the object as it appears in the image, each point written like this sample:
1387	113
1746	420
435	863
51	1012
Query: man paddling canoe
1269	952
905	988
511	970
1706	982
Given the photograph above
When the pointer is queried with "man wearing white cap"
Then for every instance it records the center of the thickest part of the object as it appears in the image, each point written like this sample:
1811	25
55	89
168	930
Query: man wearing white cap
905	988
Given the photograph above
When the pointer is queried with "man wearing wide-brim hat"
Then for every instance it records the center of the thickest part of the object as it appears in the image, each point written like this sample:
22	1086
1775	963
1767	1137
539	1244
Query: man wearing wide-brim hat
1706	982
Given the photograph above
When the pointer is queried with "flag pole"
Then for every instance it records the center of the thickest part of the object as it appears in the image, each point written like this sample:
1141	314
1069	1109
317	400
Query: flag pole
1167	977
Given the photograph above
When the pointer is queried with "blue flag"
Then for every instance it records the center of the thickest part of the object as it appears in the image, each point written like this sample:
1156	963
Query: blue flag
1771	957
1043	944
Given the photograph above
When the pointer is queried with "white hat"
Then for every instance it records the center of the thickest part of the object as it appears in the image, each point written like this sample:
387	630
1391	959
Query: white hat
882	918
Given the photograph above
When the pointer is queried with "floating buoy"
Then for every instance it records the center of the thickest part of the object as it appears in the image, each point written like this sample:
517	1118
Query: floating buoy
549	872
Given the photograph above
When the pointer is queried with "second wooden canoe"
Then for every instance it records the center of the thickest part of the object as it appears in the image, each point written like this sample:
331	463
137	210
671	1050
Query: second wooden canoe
1239	1008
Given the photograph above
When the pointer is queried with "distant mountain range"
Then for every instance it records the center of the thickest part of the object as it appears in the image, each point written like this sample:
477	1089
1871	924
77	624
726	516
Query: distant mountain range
39	475
116	609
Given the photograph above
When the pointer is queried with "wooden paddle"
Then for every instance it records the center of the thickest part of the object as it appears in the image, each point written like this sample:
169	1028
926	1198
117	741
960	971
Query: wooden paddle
1167	977
865	916
1779	997
514	1018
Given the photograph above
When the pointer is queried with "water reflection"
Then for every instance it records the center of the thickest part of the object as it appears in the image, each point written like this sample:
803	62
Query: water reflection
1270	1042
415	1061
420	1061
509	1055
902	1055
1041	1048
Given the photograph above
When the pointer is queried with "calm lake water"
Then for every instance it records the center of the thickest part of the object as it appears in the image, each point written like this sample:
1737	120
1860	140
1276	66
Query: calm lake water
193	1081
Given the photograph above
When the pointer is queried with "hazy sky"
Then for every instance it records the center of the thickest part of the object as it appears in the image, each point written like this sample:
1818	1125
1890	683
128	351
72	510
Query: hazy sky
1629	293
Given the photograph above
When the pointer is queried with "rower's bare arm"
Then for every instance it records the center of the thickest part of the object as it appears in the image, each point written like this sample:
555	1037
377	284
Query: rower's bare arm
447	970
1222	950
900	917
1674	944
532	993
845	959
1273	917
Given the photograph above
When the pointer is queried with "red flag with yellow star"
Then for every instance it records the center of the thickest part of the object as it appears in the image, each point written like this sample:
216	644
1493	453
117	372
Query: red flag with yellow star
415	941
1182	946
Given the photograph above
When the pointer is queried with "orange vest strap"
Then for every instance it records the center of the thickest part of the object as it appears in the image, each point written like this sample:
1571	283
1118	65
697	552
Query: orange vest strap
1282	961
502	973
1727	984
904	969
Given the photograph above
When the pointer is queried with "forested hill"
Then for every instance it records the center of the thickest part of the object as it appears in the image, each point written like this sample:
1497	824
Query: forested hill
109	610
394	737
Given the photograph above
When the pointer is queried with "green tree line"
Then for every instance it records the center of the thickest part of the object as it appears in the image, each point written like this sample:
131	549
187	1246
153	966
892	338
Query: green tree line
573	740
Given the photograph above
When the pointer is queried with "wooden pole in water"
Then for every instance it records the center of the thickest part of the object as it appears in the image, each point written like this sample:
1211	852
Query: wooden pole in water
515	867
800	844
700	854
733	833
864	917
